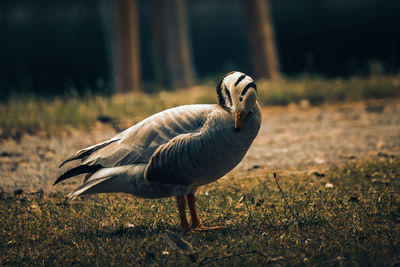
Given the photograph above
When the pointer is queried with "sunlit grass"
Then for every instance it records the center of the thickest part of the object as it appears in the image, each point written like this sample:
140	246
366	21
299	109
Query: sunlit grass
355	222
31	115
20	115
318	90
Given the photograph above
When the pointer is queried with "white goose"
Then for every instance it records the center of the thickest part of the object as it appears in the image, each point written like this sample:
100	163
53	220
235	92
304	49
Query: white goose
175	151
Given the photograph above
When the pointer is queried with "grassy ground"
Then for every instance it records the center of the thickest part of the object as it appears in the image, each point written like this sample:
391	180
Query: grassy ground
32	115
354	222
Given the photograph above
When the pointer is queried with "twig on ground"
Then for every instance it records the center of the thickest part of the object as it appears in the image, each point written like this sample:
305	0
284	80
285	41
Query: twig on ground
284	197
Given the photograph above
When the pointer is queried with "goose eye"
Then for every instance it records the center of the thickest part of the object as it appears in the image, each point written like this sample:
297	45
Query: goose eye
240	99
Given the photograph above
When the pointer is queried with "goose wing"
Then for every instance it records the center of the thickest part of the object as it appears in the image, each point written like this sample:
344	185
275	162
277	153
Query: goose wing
206	155
138	143
191	157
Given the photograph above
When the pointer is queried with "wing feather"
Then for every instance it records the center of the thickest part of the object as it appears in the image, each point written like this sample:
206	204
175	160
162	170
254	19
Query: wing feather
188	157
138	143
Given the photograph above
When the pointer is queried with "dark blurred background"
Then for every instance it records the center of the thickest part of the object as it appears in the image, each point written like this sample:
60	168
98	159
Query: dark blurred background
61	47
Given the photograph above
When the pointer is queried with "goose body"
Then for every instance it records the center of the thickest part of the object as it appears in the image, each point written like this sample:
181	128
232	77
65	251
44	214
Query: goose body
171	153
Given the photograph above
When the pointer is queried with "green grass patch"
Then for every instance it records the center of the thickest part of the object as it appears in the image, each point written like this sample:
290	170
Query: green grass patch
31	115
356	222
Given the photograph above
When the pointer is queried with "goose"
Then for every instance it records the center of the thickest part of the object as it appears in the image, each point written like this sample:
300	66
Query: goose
172	153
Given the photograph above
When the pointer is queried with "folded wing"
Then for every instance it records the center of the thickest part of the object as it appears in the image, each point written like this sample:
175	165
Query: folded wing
137	144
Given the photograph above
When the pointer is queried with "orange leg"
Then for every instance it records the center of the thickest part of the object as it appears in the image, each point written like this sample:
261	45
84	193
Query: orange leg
193	213
182	213
196	224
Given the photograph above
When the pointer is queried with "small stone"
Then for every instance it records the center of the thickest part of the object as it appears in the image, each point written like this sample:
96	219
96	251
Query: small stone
328	185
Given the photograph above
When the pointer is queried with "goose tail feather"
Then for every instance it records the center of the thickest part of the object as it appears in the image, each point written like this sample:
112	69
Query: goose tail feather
76	171
110	180
84	153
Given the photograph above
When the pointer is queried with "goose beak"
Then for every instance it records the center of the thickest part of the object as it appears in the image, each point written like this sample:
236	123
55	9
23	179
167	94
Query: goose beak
239	117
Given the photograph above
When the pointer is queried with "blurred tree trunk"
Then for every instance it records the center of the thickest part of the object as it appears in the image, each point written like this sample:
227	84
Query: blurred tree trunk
127	46
108	26
157	17
170	29
261	38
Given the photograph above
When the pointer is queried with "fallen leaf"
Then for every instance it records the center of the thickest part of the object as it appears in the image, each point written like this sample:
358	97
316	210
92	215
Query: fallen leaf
176	242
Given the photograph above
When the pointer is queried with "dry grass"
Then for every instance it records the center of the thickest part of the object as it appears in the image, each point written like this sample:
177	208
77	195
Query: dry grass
356	222
31	115
318	90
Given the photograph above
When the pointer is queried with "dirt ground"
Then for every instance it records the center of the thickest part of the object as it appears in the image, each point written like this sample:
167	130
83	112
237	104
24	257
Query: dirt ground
292	138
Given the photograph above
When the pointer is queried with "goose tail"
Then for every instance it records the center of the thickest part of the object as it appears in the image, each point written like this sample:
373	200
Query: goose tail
111	180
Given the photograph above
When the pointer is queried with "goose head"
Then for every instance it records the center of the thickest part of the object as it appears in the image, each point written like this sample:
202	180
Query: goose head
237	93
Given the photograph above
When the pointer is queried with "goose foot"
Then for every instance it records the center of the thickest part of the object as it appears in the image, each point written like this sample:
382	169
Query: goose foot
201	228
196	224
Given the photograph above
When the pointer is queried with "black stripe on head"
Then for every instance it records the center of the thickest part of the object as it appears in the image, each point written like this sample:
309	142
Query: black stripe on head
250	85
241	77
228	94
221	98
